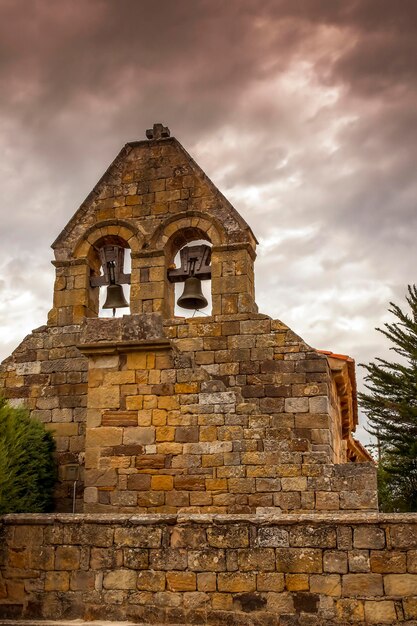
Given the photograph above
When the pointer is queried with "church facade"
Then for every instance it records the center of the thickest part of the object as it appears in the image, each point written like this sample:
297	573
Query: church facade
152	412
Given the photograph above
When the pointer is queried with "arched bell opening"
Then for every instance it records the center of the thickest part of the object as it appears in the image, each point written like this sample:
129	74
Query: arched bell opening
111	283
190	276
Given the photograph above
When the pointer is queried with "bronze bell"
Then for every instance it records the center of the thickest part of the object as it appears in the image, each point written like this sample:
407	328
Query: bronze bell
192	297
115	298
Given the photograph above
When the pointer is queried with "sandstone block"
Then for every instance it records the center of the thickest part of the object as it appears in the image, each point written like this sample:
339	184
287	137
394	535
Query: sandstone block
136	558
104	397
228	536
382	612
369	537
67	558
82	581
362	585
259	559
207	560
181	581
296	483
328	584
105	558
139	537
270	582
120	579
350	611
162	483
313	536
403	535
151	581
188	537
335	562
327	501
272	536
297	582
100	478
206	581
222	601
299	560
104	437
359	561
169	559
189	483
139	482
139	435
234	582
410	607
388	562
400	584
57	581
296	405
318	404
412	561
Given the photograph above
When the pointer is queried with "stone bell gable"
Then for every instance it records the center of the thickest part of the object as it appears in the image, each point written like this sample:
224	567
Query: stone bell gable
229	412
153	199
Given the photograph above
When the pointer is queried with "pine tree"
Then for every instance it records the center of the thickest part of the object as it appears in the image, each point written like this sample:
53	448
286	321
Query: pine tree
27	466
391	406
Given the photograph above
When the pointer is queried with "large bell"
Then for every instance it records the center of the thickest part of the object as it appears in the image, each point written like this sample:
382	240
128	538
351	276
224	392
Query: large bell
115	298
192	297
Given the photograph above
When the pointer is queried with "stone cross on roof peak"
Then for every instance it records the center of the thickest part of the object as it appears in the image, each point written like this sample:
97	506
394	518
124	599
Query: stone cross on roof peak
159	131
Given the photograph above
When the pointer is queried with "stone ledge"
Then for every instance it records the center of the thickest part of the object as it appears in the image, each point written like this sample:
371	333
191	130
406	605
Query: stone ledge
182	518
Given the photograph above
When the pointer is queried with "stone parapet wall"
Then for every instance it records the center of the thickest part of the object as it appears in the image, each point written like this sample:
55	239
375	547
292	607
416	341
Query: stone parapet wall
316	570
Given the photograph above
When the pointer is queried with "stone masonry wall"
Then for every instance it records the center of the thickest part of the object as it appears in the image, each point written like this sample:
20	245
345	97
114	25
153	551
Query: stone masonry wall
232	414
246	431
316	570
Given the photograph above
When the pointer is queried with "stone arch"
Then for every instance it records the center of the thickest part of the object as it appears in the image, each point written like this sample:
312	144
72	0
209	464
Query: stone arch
180	229
121	231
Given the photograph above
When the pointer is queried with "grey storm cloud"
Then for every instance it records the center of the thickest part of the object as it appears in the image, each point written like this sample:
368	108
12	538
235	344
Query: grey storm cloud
302	113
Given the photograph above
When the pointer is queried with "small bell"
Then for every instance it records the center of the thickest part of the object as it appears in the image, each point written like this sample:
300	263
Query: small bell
192	297
115	298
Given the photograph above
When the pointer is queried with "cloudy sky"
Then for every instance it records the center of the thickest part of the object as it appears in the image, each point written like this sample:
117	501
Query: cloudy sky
303	113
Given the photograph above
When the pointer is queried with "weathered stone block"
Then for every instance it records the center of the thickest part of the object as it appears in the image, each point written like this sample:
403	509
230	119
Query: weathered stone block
228	536
335	562
403	535
381	612
181	581
369	537
313	536
236	582
400	584
259	559
139	537
151	581
57	581
67	558
120	579
359	561
362	585
299	560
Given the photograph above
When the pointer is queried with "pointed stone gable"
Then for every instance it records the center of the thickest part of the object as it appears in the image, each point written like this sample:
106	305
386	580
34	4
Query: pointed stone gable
149	183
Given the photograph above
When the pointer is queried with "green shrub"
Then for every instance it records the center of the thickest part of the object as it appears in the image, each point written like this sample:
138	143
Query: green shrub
27	466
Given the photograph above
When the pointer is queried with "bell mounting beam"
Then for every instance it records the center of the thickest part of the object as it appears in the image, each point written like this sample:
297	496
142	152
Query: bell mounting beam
112	261
195	261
